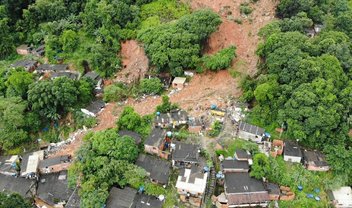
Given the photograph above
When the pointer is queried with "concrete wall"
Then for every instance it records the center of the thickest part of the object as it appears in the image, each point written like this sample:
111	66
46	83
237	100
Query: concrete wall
292	159
249	136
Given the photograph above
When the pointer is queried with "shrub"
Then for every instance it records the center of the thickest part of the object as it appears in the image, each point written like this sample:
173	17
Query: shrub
215	129
166	105
116	92
245	9
151	86
220	60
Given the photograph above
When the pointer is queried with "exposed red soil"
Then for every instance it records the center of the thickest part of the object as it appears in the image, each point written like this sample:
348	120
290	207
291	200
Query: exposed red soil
202	91
134	62
243	36
106	119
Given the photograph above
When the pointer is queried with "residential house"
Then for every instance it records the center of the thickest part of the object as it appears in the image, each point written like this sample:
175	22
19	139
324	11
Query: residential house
191	184
179	82
69	74
158	143
137	137
157	169
121	198
243	155
243	191
28	65
24	187
30	164
273	191
55	164
23	50
341	198
94	108
53	190
171	120
234	166
184	154
250	132
44	68
146	201
99	81
292	152
195	125
315	161
8	165
40	51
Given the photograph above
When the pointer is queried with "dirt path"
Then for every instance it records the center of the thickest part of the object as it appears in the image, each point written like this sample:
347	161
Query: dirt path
243	36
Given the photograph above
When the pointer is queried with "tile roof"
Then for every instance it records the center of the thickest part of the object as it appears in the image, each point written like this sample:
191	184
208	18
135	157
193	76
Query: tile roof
242	189
235	164
121	198
242	154
185	152
314	158
96	106
53	188
18	185
159	169
54	161
137	137
155	137
292	149
251	128
146	201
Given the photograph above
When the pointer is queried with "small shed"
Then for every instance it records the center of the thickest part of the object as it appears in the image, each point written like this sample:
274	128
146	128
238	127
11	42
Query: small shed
234	166
315	161
179	82
250	132
28	65
23	50
292	152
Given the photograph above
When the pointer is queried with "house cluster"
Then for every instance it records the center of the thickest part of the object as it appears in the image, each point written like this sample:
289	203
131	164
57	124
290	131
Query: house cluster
162	153
240	189
42	179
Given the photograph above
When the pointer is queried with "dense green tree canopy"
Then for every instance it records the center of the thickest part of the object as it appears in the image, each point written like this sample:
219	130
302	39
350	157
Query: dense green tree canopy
13	200
305	81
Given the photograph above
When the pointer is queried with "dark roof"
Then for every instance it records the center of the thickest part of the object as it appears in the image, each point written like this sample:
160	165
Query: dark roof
54	161
18	185
24	63
159	169
155	137
234	164
74	200
70	75
251	128
292	149
243	154
137	137
273	188
92	75
185	152
95	106
315	157
52	67
121	198
146	201
176	115
53	188
242	183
